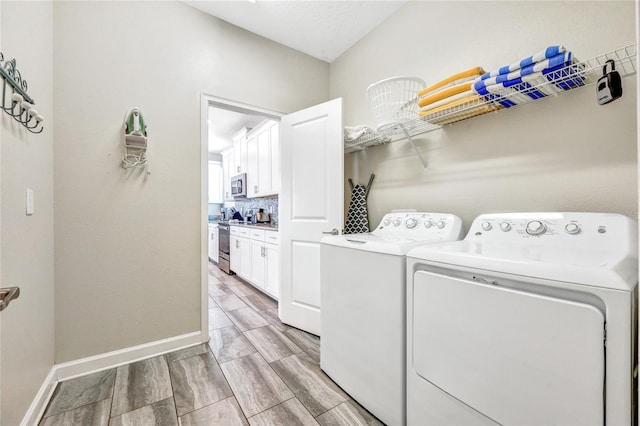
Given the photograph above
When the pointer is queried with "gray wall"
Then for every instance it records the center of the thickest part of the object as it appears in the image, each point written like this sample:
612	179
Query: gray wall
560	154
26	161
128	245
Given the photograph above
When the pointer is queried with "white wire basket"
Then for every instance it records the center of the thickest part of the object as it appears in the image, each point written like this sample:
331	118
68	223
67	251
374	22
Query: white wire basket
395	100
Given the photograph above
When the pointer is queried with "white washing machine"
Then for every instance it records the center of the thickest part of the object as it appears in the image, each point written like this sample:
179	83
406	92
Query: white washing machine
363	318
530	320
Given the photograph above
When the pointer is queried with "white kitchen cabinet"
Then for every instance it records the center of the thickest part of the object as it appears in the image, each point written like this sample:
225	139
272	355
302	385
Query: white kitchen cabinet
227	166
272	274
213	242
215	182
262	150
263	186
240	152
274	140
240	252
245	254
258	263
252	166
234	253
255	257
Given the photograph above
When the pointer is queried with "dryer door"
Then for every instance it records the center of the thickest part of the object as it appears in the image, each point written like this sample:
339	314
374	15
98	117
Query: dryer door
516	357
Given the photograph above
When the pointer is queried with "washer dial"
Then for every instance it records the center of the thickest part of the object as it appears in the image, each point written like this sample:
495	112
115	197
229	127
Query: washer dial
486	226
428	224
411	223
396	222
572	228
536	227
505	226
387	222
440	224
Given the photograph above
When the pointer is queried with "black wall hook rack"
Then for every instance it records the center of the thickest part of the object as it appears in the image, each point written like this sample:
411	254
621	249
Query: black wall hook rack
15	100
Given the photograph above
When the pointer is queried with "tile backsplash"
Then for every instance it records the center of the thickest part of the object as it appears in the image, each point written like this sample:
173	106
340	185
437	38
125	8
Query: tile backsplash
269	204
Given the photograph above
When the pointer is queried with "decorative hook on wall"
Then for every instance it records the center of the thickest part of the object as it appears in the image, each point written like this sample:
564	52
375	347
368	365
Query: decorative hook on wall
15	100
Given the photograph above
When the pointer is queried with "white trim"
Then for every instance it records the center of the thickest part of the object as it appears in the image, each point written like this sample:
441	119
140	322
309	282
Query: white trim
93	364
39	403
207	100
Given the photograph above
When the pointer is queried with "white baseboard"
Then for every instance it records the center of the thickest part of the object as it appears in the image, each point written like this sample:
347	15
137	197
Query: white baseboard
93	364
41	400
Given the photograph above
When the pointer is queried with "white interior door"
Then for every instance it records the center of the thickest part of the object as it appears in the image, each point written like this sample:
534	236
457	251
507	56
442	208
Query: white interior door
311	203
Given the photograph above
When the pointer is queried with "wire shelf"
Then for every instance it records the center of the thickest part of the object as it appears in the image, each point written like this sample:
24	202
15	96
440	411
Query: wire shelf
579	74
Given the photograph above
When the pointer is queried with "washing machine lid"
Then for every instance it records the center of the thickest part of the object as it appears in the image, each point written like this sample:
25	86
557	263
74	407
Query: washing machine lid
397	246
399	232
516	357
595	267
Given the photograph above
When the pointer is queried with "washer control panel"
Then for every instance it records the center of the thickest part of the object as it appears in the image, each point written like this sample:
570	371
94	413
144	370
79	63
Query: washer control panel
419	225
552	227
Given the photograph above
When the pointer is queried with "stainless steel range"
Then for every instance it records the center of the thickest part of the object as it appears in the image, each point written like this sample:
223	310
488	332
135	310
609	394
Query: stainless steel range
223	246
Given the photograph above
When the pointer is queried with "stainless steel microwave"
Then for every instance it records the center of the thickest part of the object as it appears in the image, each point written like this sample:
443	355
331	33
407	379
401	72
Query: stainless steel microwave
239	185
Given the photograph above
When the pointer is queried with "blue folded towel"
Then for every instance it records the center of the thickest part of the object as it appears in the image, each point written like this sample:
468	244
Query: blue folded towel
555	62
548	76
547	53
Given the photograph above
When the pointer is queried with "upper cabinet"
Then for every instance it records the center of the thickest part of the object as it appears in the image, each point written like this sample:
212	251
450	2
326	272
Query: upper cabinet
256	153
215	182
227	171
263	160
240	152
274	146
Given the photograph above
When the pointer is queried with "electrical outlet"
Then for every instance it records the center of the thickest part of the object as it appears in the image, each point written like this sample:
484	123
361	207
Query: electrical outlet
29	201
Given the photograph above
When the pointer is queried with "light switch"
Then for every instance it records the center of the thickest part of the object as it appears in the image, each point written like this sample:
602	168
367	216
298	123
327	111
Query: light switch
29	201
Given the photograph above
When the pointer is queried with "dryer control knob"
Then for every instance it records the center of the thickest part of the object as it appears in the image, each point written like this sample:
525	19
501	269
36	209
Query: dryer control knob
486	226
440	224
536	227
505	226
396	222
411	223
572	228
387	222
428	224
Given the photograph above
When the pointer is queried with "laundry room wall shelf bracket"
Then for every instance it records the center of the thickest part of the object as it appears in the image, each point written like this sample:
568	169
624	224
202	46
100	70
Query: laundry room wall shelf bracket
577	75
15	100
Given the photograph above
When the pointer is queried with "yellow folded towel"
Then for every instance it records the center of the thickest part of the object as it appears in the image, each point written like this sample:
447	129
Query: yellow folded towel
450	100
454	90
453	80
467	101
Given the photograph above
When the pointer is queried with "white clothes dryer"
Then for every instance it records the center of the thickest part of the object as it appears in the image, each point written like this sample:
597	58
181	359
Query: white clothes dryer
363	291
530	320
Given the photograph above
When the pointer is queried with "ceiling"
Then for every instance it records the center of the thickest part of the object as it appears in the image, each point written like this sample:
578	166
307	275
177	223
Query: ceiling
223	124
322	29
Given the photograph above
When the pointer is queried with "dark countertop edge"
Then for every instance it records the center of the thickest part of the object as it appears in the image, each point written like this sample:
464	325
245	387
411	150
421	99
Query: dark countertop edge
250	225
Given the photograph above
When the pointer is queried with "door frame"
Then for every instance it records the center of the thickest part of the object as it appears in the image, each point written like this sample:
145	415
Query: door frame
207	100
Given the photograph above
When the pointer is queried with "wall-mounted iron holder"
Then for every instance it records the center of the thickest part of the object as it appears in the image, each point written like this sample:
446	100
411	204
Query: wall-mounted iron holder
15	100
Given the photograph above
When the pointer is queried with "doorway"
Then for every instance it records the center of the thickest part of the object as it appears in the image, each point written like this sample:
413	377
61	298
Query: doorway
220	120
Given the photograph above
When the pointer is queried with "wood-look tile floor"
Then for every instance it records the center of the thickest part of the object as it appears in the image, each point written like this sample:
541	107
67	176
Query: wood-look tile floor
254	371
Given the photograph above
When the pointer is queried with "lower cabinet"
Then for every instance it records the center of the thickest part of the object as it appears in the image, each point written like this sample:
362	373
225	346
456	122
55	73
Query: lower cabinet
240	256
245	258
213	242
234	253
272	275
257	263
256	258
